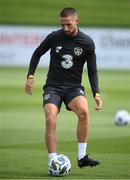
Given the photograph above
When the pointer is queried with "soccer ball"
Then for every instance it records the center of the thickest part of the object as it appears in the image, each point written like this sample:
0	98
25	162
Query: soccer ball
122	117
59	166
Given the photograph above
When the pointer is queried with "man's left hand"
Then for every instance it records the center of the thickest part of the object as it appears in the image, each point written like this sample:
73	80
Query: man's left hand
98	103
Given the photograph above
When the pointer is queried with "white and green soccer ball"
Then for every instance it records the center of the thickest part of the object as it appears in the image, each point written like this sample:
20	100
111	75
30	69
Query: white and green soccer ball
59	166
122	117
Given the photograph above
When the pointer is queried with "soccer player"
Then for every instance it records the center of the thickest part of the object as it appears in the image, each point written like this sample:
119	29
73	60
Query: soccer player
70	49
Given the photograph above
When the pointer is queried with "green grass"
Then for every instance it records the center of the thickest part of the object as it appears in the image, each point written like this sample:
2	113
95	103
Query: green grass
23	153
114	13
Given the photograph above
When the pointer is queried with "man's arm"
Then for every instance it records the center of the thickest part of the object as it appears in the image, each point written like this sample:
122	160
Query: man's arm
42	49
93	79
92	73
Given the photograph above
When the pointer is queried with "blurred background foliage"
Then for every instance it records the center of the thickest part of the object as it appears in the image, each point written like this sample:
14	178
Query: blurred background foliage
99	13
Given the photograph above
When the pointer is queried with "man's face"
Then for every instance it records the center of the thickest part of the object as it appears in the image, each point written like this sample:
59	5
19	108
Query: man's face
69	25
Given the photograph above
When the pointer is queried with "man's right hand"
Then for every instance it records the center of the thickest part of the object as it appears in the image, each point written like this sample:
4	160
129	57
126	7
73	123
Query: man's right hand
29	86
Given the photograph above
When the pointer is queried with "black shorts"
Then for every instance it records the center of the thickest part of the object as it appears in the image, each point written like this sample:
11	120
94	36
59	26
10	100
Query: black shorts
56	94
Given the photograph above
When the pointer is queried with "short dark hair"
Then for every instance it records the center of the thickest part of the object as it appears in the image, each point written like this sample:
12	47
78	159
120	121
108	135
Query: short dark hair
68	11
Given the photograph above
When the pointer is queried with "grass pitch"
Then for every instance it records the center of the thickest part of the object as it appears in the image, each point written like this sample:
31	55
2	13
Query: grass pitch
23	153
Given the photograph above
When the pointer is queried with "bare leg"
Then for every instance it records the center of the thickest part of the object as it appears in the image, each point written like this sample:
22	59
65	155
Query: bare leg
80	106
51	112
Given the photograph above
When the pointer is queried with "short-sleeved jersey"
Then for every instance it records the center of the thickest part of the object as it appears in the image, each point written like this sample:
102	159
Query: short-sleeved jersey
67	58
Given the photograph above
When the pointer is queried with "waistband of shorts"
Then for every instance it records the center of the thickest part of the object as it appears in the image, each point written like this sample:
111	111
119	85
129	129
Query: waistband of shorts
63	84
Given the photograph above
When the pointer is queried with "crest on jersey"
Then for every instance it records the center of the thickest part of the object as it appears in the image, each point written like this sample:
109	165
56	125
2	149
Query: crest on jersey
46	96
78	51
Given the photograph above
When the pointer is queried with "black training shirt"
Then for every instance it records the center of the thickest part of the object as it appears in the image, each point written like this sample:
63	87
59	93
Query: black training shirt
67	57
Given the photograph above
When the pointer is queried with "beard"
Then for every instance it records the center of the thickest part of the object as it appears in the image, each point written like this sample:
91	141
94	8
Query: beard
71	33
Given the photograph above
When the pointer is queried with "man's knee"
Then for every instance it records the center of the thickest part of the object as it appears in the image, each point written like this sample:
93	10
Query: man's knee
51	113
83	115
